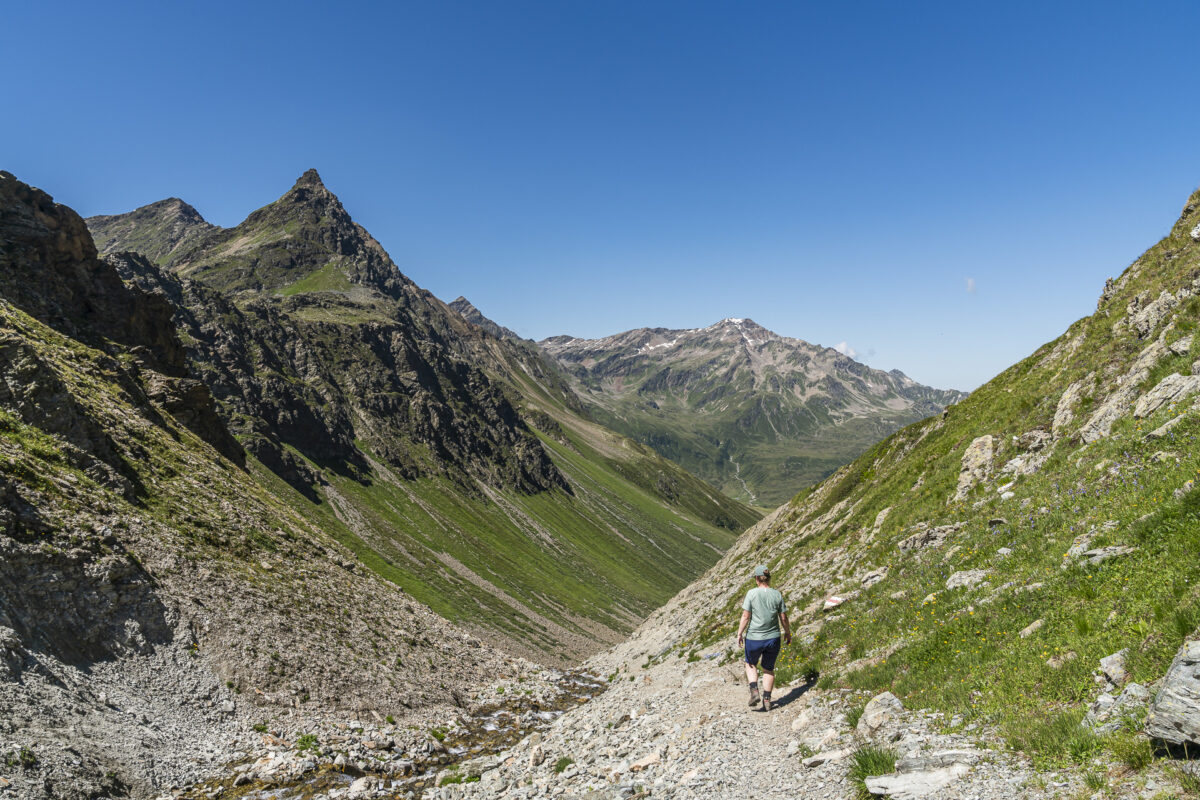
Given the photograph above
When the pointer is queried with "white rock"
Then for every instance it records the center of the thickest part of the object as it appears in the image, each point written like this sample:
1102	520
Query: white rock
913	785
976	464
966	578
1031	628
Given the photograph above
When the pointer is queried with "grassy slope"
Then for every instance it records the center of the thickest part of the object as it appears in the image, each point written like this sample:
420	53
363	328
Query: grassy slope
960	650
594	562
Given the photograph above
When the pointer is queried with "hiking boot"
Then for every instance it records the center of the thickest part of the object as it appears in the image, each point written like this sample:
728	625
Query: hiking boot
766	700
753	696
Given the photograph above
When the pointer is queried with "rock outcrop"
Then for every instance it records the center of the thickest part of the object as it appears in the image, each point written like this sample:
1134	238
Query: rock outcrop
1175	714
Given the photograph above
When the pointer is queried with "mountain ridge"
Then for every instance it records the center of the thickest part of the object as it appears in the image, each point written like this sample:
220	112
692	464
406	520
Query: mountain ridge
765	414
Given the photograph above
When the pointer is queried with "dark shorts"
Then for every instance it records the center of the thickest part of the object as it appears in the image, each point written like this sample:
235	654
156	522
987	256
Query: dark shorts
767	649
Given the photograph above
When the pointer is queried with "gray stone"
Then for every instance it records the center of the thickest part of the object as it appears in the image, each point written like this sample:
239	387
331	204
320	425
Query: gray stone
937	760
826	757
1175	713
1114	669
1064	413
1032	628
1108	713
913	785
966	579
1102	554
874	577
929	537
976	465
1181	346
1162	430
881	709
1172	389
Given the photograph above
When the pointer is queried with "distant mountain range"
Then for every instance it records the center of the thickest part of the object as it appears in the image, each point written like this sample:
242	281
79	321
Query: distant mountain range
758	415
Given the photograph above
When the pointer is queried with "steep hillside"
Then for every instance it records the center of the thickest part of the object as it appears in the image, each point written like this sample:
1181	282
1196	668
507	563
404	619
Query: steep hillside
756	414
982	562
157	597
453	463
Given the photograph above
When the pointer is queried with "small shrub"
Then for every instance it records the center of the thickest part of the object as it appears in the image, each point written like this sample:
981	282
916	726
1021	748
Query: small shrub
693	656
1135	752
1095	780
1050	739
307	742
438	733
450	779
390	719
854	715
563	763
260	727
869	761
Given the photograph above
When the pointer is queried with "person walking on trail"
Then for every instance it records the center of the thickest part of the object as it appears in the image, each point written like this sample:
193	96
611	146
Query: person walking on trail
763	612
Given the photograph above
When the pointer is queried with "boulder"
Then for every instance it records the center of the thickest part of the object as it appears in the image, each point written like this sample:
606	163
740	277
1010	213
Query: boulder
1064	413
929	537
1113	668
1102	554
1108	713
1148	318
976	464
937	760
1172	389
874	577
966	579
1162	430
1175	714
913	785
882	708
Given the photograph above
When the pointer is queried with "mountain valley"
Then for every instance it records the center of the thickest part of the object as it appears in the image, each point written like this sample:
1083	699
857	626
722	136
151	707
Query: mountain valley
278	523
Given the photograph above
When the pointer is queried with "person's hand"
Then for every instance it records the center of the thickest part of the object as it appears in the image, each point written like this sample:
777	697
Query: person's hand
741	640
787	639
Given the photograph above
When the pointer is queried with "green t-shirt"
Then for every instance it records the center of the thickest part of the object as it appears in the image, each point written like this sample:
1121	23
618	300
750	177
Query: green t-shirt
765	605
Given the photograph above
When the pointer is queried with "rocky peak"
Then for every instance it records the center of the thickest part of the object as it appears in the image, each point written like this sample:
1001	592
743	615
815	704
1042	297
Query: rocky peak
158	231
467	310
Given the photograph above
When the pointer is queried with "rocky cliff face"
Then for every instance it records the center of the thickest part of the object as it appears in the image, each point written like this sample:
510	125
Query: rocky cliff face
314	343
757	414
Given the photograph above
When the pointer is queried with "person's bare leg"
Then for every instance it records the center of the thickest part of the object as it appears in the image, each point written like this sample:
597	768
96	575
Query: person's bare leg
752	678
768	681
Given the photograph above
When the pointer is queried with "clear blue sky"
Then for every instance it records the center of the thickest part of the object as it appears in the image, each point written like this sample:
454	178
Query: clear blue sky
837	172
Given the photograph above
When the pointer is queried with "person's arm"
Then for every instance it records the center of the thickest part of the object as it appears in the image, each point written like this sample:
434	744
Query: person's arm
787	628
742	628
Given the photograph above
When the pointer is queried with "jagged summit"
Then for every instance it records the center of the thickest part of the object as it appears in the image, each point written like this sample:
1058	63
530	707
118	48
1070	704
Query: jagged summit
467	310
305	242
160	230
310	178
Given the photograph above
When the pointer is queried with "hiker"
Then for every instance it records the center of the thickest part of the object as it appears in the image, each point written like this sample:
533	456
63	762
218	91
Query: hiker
763	611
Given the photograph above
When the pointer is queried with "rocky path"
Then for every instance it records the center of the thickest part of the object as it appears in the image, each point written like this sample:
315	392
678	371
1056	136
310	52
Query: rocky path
684	730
